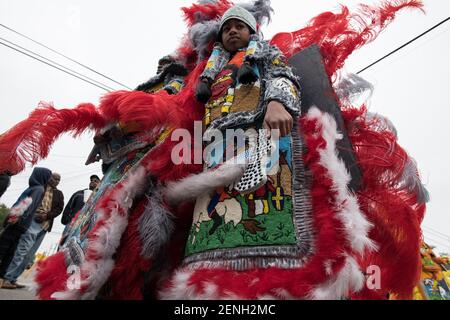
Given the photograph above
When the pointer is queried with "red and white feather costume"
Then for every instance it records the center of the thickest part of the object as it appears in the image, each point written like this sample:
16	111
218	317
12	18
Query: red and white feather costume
379	225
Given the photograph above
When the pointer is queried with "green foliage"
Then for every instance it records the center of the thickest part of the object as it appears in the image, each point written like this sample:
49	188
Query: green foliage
4	212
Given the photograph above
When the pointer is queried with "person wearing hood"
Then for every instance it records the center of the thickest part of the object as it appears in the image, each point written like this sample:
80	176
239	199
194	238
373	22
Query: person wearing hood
5	181
51	206
21	216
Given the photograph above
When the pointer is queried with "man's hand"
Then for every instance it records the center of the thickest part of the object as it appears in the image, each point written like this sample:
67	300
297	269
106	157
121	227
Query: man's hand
278	118
40	217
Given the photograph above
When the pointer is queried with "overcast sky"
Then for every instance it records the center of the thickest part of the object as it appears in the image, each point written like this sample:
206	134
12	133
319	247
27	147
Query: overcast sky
125	39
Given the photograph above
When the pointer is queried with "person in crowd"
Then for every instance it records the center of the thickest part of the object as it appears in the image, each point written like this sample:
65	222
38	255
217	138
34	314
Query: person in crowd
51	207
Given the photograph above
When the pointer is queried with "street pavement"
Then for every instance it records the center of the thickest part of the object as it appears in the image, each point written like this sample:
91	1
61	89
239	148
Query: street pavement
16	294
19	294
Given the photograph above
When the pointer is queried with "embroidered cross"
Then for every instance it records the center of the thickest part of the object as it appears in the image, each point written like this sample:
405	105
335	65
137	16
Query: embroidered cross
278	198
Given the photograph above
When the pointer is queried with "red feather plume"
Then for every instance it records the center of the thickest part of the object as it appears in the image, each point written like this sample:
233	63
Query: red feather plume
30	140
208	11
339	34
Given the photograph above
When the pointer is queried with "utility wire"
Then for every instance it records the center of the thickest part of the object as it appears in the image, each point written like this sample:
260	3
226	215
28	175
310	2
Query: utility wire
55	63
56	67
443	234
437	243
406	44
437	237
66	156
437	233
62	55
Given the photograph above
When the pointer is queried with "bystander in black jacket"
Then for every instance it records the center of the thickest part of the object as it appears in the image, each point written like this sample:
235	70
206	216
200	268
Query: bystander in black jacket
76	202
5	181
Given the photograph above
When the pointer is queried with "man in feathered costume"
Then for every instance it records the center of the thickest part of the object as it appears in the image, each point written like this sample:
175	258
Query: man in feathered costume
343	198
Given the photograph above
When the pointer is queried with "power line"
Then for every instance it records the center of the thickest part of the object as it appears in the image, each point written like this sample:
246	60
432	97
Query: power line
442	249
66	156
406	44
51	65
437	237
437	242
446	235
440	234
62	55
436	232
55	63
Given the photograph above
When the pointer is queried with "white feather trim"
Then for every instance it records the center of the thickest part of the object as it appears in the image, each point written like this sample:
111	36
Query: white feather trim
192	187
97	271
180	288
356	225
349	279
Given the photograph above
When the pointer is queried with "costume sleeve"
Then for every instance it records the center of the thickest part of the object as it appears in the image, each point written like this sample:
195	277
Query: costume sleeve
175	85
25	194
36	195
281	83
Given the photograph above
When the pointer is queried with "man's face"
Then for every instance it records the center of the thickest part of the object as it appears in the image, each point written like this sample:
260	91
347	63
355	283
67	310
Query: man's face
94	184
235	35
54	180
